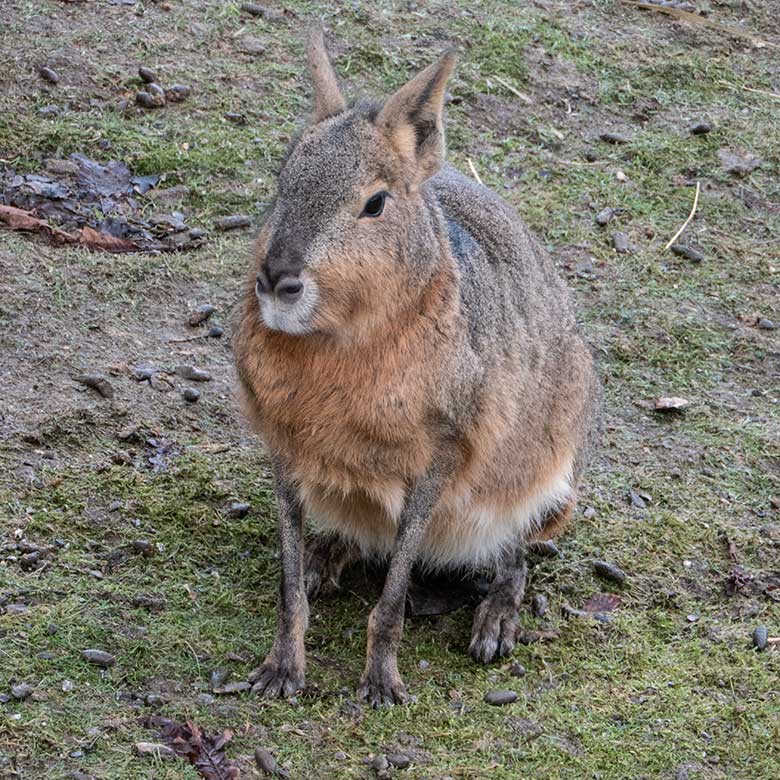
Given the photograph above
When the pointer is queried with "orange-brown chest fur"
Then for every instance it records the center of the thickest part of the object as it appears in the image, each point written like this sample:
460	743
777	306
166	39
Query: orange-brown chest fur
349	416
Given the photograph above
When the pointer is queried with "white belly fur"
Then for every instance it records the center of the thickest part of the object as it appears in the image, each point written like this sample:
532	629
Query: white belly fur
463	531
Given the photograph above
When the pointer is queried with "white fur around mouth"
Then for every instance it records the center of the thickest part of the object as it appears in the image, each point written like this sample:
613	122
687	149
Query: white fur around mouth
293	318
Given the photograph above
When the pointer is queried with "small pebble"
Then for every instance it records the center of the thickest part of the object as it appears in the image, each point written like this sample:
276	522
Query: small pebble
568	611
68	686
700	128
98	657
205	699
219	676
178	92
143	547
193	374
157	93
235	118
97	383
250	45
766	324
155	750
22	691
423	664
539	605
760	637
500	698
147	100
238	509
144	373
692	618
52	629
614	138
683	250
517	670
190	394
154	700
546	549
589	513
255	9
340	755
47	74
380	763
605	216
609	571
267	763
620	242
232	222
147	75
202	313
398	760
216	332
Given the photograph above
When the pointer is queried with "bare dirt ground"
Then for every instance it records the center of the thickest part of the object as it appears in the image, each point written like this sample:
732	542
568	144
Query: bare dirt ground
118	529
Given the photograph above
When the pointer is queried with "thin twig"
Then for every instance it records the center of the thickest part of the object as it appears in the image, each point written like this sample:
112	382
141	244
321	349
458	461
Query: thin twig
736	87
515	92
687	221
562	161
188	338
703	21
473	170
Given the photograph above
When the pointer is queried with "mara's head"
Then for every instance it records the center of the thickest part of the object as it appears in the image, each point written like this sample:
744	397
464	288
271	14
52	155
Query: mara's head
350	235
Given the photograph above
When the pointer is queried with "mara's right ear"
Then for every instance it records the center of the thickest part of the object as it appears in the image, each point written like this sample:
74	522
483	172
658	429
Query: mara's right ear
328	100
412	118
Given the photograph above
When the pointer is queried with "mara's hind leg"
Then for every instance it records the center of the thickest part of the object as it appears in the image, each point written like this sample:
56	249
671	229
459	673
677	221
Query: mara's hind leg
495	619
555	521
326	559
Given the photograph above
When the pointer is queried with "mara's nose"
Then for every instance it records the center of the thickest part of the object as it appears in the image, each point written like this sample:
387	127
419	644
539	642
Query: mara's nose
286	286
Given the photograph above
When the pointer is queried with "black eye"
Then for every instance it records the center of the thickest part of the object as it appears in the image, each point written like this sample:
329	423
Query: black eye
374	205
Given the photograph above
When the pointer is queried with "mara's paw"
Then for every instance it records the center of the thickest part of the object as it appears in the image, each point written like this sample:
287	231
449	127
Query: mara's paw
278	680
382	689
325	561
494	629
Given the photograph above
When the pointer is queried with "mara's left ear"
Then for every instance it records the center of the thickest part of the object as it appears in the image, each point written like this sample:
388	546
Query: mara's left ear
328	100
412	117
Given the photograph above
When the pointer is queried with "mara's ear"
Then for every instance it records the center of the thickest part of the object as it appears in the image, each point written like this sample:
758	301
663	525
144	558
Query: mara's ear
328	99
412	117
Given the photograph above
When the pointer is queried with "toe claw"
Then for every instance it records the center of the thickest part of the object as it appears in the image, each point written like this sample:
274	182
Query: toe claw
277	681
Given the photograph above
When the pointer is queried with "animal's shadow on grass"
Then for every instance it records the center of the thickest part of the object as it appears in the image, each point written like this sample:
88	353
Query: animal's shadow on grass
429	594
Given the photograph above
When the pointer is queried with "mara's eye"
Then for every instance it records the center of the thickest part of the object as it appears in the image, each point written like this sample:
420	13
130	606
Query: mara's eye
374	205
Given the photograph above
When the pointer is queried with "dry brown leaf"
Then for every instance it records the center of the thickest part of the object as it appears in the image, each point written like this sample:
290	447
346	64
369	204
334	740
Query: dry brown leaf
19	219
94	239
602	602
206	752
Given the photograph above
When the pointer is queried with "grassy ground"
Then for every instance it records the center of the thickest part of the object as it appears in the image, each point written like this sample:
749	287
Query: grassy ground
670	687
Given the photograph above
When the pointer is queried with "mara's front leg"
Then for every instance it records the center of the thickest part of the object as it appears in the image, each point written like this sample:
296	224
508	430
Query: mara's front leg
283	671
381	683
